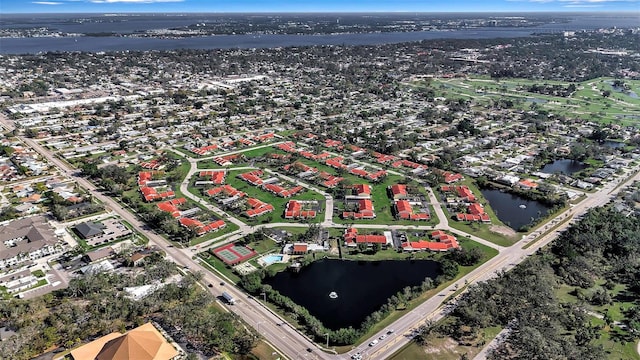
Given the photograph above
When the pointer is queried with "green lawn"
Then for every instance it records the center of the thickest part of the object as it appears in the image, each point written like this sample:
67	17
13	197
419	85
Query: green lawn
262	351
483	231
264	246
382	204
616	349
219	266
586	101
278	203
611	337
443	348
229	228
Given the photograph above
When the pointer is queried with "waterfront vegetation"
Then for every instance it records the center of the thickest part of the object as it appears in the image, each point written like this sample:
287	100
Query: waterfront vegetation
454	265
479	229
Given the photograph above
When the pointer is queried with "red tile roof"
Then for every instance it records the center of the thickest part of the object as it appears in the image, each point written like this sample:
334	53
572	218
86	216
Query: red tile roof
294	211
300	248
403	206
362	189
398	190
450	177
351	236
258	208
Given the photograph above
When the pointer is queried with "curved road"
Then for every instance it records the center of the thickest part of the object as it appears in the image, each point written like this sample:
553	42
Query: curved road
295	345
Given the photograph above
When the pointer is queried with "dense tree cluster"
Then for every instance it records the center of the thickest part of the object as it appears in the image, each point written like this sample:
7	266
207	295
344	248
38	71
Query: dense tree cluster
553	90
112	178
95	305
604	245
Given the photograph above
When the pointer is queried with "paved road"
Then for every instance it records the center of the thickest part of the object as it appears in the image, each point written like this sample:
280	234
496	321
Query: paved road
286	339
293	344
505	260
502	335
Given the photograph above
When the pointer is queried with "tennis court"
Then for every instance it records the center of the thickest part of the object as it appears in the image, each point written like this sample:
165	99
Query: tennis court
227	256
243	251
232	254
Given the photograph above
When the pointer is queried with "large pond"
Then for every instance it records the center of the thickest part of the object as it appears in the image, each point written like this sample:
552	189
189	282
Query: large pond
514	210
564	166
362	287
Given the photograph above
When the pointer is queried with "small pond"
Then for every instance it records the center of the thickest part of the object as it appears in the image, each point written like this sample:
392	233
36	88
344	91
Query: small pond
514	210
564	166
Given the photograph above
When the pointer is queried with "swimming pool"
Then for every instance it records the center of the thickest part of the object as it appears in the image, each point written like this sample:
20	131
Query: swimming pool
272	258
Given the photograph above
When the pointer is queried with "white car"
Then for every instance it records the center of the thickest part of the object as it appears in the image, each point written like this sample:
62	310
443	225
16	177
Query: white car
373	343
383	336
356	356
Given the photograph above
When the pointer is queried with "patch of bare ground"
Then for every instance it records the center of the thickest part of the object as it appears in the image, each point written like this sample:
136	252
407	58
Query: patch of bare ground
503	230
446	348
446	345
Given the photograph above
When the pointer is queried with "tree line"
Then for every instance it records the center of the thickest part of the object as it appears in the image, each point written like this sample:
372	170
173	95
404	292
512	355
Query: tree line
604	247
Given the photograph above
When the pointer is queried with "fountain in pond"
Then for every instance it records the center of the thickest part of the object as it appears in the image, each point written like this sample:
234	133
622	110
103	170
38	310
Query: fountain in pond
333	295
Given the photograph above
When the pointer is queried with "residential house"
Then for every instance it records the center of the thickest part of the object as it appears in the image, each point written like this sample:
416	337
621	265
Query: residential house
294	210
398	191
365	211
352	238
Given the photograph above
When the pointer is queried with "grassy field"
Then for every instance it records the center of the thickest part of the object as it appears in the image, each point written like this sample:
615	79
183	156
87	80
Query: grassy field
615	349
219	266
278	203
264	246
613	339
588	99
262	351
443	348
249	153
382	204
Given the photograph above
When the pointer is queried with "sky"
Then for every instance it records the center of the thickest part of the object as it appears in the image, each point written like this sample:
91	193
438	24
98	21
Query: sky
112	6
